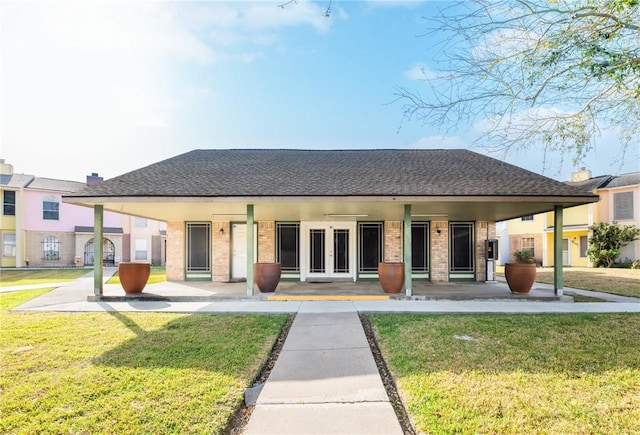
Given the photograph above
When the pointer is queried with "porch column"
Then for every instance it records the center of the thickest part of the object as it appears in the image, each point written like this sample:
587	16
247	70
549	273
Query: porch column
558	279
98	234
250	253
407	250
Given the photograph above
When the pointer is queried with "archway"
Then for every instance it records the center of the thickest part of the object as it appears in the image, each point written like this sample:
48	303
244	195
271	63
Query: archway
108	253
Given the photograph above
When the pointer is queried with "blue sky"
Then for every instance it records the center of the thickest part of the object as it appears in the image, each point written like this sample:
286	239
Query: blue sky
113	86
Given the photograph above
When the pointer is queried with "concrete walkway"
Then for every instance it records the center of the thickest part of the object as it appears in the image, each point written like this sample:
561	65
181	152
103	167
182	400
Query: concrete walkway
325	381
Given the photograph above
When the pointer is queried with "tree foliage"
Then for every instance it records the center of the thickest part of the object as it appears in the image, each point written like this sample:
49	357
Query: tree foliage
607	240
550	73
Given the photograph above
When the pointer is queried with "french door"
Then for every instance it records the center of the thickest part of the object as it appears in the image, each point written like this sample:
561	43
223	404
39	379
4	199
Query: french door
328	250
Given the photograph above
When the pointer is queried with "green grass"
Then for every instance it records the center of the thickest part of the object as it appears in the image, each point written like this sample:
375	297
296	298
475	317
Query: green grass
158	274
624	282
520	373
39	276
99	373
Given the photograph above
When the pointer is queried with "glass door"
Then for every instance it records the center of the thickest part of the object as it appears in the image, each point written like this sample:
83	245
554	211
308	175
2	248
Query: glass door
328	251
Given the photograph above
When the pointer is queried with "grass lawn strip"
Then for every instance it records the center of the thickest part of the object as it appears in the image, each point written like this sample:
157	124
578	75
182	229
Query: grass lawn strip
623	282
515	374
127	372
14	277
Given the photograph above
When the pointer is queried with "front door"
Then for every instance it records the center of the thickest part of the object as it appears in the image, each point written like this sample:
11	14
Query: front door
239	251
566	260
328	251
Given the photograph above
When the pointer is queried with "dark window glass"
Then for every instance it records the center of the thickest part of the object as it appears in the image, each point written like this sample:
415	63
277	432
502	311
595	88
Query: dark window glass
50	209
584	245
316	251
461	247
198	247
288	247
341	251
420	247
9	203
370	246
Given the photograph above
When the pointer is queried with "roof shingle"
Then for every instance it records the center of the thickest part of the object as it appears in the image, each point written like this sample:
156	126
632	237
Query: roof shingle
290	172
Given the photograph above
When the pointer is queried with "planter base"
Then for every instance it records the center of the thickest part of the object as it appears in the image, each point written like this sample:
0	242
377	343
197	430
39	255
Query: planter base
520	276
133	276
266	276
391	276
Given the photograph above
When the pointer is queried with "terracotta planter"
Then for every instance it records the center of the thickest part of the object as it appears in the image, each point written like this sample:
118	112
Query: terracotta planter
133	276
391	276
266	276
520	276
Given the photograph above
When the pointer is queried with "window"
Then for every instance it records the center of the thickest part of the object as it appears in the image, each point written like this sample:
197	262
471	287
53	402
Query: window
420	247
528	244
9	203
461	250
9	245
370	246
140	222
141	249
51	208
623	206
288	246
50	248
198	247
527	218
584	245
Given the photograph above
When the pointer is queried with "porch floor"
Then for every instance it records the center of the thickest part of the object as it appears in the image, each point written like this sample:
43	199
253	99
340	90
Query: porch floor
422	290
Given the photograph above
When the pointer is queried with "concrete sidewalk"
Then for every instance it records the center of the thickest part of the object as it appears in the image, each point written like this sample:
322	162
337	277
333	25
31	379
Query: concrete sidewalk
325	381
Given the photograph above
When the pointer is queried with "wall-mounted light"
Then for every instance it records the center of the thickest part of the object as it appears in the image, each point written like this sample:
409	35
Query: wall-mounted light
221	231
438	230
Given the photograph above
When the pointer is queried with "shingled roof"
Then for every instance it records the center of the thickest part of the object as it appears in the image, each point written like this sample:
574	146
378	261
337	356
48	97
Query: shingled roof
312	173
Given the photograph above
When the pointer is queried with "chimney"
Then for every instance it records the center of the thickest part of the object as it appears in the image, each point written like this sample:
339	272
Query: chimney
582	175
5	168
93	179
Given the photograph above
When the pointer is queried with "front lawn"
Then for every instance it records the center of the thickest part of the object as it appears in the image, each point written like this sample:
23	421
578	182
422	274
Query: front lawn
102	373
624	282
513	374
12	277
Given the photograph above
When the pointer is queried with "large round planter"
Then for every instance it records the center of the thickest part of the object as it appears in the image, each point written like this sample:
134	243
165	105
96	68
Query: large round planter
520	276
391	276
133	276
267	276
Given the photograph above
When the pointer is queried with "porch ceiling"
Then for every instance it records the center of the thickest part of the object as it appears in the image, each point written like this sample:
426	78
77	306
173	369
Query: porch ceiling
326	209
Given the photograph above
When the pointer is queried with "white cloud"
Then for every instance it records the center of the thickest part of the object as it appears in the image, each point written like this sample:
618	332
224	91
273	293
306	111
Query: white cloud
100	78
439	142
421	71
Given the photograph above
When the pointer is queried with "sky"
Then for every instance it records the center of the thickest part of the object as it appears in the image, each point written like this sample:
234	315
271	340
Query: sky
112	86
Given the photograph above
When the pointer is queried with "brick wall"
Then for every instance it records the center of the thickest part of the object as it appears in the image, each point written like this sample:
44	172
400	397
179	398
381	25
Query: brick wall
266	242
484	231
175	250
34	248
515	244
221	251
439	251
393	241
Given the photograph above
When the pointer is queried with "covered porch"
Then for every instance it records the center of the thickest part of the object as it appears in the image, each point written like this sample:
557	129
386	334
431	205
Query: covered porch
195	291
